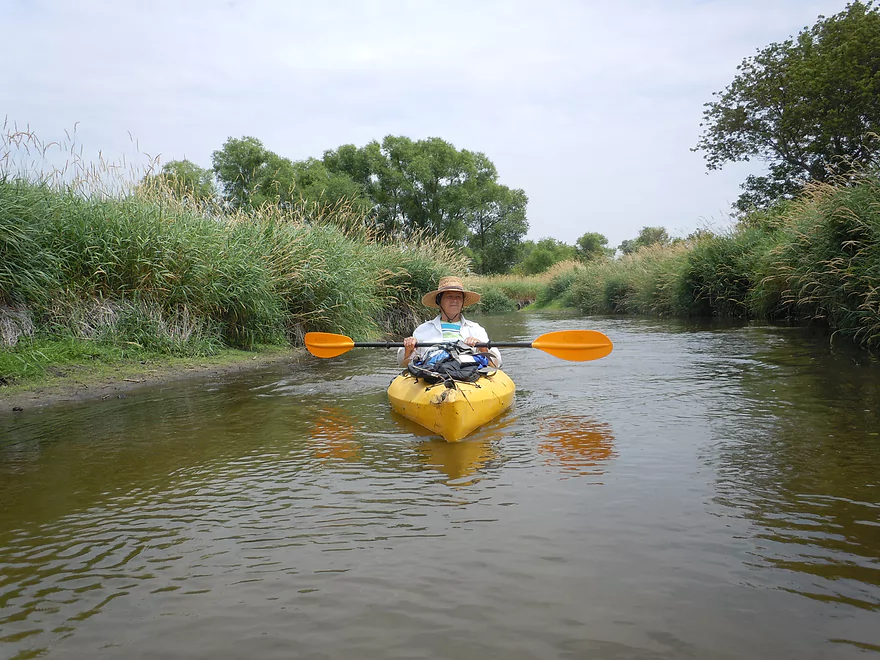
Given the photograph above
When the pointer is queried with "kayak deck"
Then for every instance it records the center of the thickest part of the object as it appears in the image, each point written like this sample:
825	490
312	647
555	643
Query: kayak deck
456	411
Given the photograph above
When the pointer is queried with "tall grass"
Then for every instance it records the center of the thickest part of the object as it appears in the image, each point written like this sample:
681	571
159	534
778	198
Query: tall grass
522	290
815	259
719	275
138	266
827	264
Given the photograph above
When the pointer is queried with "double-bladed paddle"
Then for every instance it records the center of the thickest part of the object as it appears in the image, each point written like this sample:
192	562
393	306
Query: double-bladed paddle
574	345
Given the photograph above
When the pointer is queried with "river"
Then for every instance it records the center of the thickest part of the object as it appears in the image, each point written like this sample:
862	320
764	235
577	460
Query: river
703	492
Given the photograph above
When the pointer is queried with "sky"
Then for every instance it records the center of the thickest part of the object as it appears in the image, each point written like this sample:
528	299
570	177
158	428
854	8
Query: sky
590	106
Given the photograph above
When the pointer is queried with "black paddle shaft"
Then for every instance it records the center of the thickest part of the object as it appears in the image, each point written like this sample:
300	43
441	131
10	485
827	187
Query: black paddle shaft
399	344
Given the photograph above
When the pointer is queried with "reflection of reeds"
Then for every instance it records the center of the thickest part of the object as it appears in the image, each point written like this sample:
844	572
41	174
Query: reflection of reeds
579	445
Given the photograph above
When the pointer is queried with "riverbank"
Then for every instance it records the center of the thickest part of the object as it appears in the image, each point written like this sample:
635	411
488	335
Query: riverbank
812	260
79	382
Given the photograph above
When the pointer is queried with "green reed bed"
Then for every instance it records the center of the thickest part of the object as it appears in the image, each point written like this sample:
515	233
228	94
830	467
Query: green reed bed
148	273
815	259
827	264
723	276
501	293
556	289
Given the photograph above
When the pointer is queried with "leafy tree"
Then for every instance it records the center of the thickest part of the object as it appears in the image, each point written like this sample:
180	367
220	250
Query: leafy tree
805	106
429	185
497	223
359	164
380	183
239	167
647	236
251	176
539	256
429	177
592	246
274	182
316	185
185	179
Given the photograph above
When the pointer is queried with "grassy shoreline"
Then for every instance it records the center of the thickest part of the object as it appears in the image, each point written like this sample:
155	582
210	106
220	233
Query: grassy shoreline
77	381
99	290
148	277
812	260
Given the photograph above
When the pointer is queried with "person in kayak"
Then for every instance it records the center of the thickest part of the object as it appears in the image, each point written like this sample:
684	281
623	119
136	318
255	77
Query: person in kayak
450	297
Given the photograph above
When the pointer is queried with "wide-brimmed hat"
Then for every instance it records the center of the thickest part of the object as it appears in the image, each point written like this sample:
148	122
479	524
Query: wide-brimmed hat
450	284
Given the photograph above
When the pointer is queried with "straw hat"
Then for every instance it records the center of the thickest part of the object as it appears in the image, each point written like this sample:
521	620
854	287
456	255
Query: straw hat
450	284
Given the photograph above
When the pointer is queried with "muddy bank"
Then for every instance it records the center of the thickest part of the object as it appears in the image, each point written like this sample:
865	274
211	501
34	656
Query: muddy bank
84	383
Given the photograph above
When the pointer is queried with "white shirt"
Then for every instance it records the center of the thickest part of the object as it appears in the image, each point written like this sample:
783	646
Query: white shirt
432	331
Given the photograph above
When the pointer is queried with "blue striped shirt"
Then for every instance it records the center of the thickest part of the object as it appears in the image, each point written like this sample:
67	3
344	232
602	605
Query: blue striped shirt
451	331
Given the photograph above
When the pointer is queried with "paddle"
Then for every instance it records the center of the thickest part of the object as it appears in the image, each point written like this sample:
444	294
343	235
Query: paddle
574	345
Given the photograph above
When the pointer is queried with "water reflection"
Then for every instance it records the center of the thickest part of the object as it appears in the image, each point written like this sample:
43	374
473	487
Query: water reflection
332	436
459	460
579	445
796	460
287	513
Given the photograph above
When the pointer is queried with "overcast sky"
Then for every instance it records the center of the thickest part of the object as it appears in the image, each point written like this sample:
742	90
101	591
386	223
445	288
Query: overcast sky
590	106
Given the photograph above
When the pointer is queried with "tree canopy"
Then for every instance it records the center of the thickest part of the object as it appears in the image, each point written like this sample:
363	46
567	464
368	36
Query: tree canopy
806	106
538	257
250	175
592	246
429	185
185	180
400	187
647	236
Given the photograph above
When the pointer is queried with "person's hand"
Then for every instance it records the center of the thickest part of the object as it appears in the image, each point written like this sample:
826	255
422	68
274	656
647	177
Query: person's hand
473	341
409	343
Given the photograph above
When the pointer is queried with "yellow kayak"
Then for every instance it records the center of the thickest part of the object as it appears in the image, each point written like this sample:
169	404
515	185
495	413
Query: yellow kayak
452	412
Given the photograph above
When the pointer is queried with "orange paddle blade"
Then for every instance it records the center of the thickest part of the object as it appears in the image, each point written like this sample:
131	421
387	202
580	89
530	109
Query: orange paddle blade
327	345
574	345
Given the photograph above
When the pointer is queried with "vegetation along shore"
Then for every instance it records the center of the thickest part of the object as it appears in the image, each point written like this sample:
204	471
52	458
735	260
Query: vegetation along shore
184	263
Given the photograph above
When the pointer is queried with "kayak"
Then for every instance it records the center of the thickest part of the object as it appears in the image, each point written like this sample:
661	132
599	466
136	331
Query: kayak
455	411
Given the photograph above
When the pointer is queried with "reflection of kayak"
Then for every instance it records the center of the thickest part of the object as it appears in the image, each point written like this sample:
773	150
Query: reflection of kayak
453	412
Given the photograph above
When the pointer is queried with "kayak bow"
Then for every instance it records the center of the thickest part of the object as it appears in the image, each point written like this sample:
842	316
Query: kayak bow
453	412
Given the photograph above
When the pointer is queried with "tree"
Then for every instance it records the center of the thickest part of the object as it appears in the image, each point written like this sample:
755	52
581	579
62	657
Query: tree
429	177
316	185
805	106
238	166
539	256
647	236
185	180
497	224
429	185
251	176
592	246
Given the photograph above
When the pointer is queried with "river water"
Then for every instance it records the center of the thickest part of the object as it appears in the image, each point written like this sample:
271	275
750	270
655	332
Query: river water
702	492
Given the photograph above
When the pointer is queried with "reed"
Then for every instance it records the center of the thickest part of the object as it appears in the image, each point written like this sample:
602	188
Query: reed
810	260
720	274
827	265
142	269
521	289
